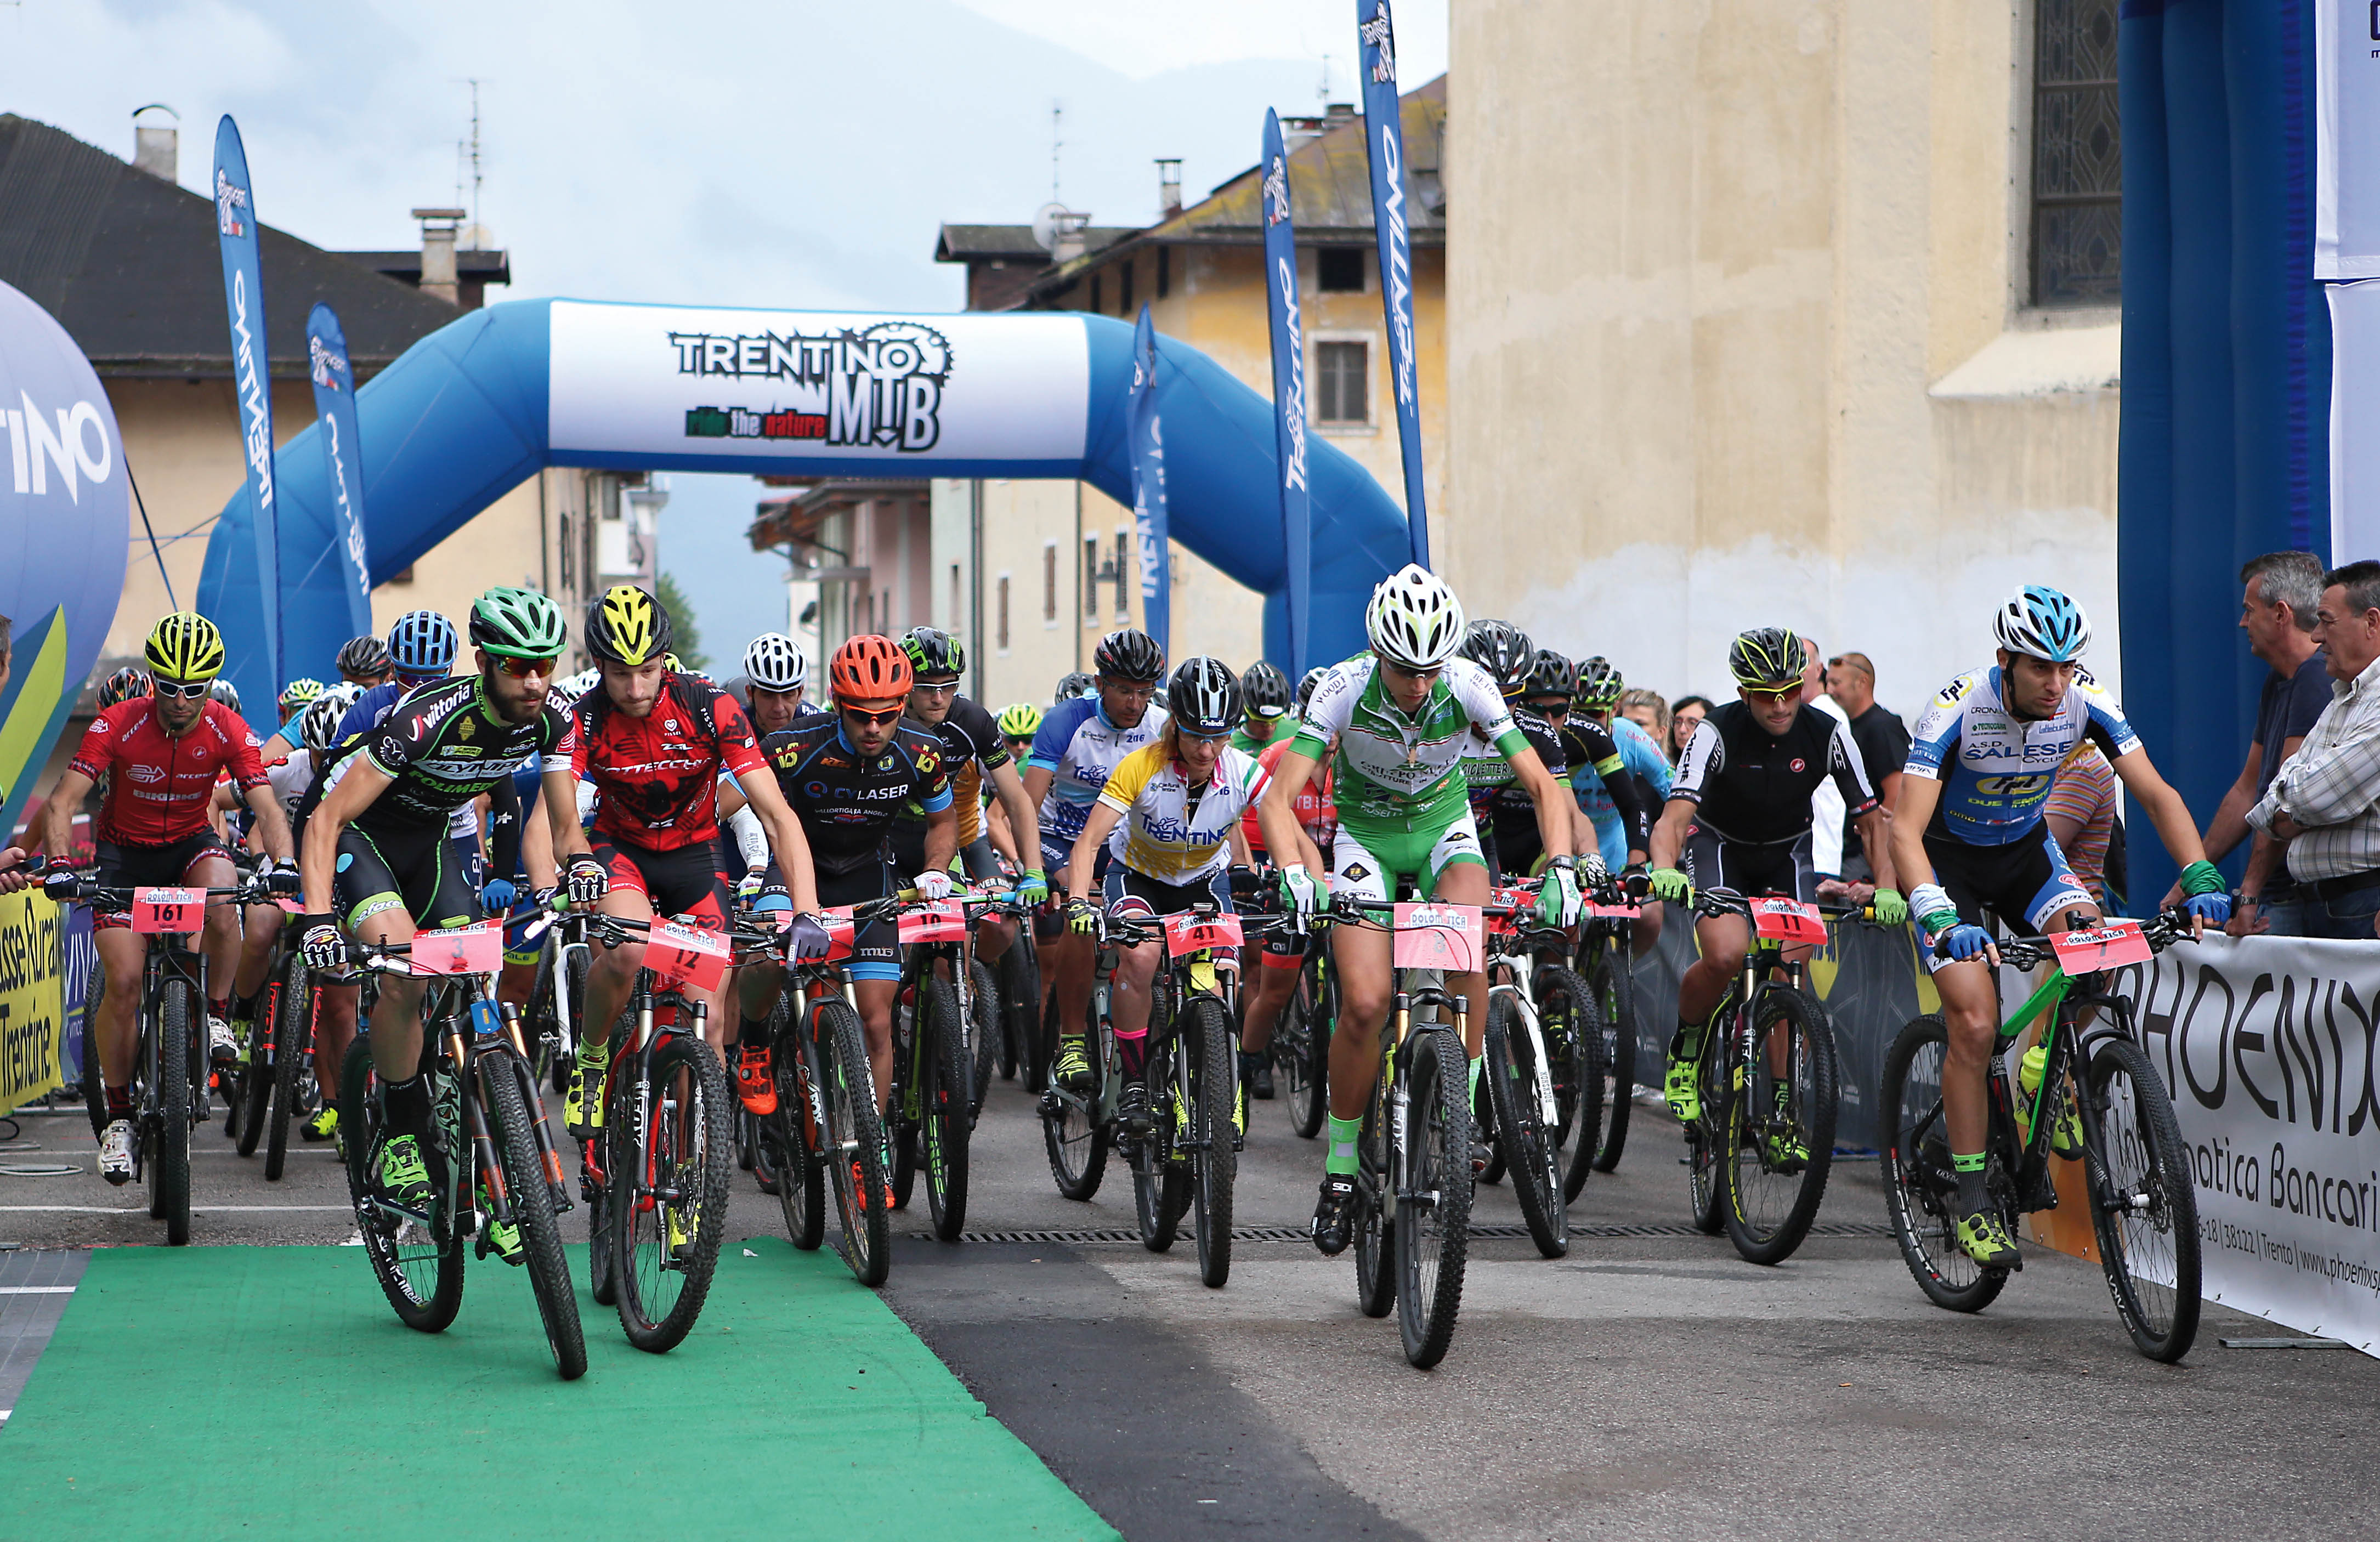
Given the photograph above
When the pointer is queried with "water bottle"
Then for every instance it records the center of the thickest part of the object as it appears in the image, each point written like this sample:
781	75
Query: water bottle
2028	1076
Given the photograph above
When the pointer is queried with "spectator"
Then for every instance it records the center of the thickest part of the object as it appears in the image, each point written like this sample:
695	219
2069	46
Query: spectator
1882	738
2082	815
1686	714
2325	801
2284	589
1648	711
1827	809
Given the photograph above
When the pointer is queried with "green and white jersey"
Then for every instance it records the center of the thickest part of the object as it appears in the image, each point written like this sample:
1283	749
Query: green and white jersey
1393	767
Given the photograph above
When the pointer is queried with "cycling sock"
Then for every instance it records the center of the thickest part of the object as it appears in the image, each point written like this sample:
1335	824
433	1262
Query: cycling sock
594	1055
243	1008
119	1102
219	1008
1687	1042
1341	1157
751	1033
406	1103
1478	1063
1972	1196
1133	1050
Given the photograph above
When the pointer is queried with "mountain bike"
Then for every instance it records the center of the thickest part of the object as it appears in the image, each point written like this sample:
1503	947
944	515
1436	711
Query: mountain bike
2135	1167
1759	1155
492	1160
1605	969
271	1088
170	1062
1525	1064
933	1102
1079	1128
656	1178
1301	1041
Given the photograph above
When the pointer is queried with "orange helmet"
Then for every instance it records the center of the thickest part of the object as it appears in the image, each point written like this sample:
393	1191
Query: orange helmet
869	668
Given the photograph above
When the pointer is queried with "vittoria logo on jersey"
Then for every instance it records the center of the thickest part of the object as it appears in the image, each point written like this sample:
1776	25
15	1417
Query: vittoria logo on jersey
878	387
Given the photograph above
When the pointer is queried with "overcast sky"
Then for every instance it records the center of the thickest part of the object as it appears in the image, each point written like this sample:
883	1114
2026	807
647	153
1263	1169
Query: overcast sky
786	152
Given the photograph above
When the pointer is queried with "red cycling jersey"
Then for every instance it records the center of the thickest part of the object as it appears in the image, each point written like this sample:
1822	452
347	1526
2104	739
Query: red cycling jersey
657	775
1313	805
159	787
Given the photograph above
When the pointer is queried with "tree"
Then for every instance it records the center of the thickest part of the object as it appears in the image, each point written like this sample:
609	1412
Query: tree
688	645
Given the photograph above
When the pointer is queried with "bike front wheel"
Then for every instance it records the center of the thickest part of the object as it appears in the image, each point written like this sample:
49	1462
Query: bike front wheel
168	1166
1213	1124
946	1109
1921	1191
853	1140
669	1177
1433	1227
1777	1138
1613	984
2143	1208
792	1136
420	1267
293	1044
500	1078
1532	1153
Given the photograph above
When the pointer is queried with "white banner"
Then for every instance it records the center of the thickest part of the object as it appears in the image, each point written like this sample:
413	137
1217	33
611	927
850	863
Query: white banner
2347	140
2267	1046
662	379
2354	409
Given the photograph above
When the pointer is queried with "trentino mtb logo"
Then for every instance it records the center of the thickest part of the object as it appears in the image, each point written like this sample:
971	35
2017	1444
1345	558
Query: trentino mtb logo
330	371
875	387
1380	35
1276	191
230	197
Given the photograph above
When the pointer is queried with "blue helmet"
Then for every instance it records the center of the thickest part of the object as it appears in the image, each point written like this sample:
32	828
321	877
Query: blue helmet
422	642
2040	622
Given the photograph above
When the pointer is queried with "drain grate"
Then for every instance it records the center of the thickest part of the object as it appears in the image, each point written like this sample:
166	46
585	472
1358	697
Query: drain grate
1093	1237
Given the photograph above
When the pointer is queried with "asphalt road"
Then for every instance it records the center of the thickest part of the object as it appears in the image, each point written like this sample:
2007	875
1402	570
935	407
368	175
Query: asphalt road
1645	1384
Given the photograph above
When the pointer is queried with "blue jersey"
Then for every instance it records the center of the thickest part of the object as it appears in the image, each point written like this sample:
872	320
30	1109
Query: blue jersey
1081	749
1639	756
1996	768
369	707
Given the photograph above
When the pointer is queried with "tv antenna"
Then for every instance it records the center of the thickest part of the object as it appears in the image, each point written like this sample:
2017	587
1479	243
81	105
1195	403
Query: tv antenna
1057	122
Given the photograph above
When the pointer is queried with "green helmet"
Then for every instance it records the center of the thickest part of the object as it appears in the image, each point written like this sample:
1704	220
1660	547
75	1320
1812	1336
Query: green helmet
1020	719
934	654
518	623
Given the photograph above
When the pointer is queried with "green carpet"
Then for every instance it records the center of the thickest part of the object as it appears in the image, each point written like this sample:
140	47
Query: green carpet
227	1391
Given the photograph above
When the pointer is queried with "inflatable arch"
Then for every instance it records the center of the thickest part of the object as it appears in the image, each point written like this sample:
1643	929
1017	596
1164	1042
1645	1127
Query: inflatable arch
469	412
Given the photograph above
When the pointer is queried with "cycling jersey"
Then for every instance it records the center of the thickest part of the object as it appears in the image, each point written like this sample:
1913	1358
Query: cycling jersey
1282	732
1312	805
1997	768
1080	749
971	747
1622	792
160	788
443	746
847	804
1752	788
1170	830
656	776
1398	767
1500	806
370	710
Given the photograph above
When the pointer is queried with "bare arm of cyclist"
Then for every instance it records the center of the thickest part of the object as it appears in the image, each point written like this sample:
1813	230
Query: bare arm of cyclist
1876	839
731	799
785	837
1919	796
1036	783
996	826
559	799
1097	827
58	813
1669	837
362	782
1554	804
1277	809
1012	798
270	825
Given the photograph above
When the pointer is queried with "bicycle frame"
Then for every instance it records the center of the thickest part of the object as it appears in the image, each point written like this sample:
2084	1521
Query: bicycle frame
1503	980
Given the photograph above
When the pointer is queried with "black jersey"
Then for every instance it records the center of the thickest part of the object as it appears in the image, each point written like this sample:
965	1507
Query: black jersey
1590	751
847	804
443	746
1755	790
972	745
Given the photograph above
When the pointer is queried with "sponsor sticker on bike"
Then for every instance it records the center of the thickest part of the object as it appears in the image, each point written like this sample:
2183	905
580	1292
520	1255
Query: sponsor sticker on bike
2109	945
685	954
478	949
1779	919
1438	937
841	931
934	921
1191	932
1505	908
159	911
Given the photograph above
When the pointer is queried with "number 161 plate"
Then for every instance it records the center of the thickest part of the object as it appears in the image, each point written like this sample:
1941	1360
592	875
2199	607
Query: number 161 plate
168	910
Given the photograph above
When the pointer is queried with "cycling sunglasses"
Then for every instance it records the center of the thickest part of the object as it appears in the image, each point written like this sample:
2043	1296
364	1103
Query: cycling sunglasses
1776	698
521	669
187	690
873	720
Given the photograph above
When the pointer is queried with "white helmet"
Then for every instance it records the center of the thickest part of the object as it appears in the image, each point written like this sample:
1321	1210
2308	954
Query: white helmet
775	662
1413	619
319	722
564	692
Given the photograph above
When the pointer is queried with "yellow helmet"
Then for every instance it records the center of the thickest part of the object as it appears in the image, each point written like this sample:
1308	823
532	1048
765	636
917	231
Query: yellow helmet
185	646
628	627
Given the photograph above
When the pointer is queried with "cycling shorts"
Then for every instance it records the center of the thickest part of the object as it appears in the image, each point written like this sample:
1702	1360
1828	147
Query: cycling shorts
1050	921
1369	856
123	866
1782	868
1166	899
425	882
684	880
2026	883
876	950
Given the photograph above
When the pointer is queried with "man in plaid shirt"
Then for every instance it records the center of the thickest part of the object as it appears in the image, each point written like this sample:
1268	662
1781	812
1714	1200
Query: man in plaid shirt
2325	801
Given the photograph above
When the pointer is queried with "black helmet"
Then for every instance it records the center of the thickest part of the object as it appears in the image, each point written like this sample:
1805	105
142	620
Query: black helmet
1765	658
627	625
1129	653
1501	649
1267	690
1599	685
363	656
1204	696
934	654
1074	688
1550	674
1305	686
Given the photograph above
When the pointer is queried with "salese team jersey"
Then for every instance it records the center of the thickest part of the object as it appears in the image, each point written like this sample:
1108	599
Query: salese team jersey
846	803
1394	767
1170	830
656	777
443	746
1081	749
971	747
1500	805
1642	768
1752	789
1997	768
1312	805
161	789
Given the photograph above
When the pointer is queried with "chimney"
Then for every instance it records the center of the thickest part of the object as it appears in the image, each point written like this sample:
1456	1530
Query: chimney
1169	187
437	252
156	147
1071	242
1299	132
1337	112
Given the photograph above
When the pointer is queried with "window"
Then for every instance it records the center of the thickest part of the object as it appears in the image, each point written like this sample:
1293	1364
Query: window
1001	635
1126	569
1164	272
1339	270
1123	285
2078	155
1050	583
1091	580
1097	304
1339	380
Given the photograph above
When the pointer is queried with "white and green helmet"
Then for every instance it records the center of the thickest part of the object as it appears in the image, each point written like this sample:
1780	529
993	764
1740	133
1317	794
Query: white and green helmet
1413	619
518	623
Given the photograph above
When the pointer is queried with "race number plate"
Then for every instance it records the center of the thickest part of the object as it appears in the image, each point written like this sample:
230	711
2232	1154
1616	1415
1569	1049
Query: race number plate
168	910
473	950
687	955
2109	945
1191	933
1515	903
1628	912
936	921
1438	937
1787	921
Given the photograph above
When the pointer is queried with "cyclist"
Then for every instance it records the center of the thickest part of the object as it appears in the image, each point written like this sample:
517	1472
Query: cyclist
1265	691
378	863
1018	722
653	743
1548	691
1080	744
1396	721
161	755
776	673
123	685
1969	835
1284	952
1504	814
1739	812
1642	765
363	661
973	754
1075	686
845	776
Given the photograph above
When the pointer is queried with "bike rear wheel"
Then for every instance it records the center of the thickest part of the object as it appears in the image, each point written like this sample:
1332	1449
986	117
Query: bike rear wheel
790	1134
1434	1207
168	1166
1572	1031
1771	1192
507	1110
293	1045
984	1032
1706	1137
2143	1208
855	1140
1074	1135
1531	1151
1301	1048
420	1270
1213	1123
1376	1217
669	1183
947	1112
1612	985
1921	1192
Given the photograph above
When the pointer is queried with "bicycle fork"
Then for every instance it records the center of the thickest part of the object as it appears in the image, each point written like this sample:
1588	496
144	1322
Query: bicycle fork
1541	1085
